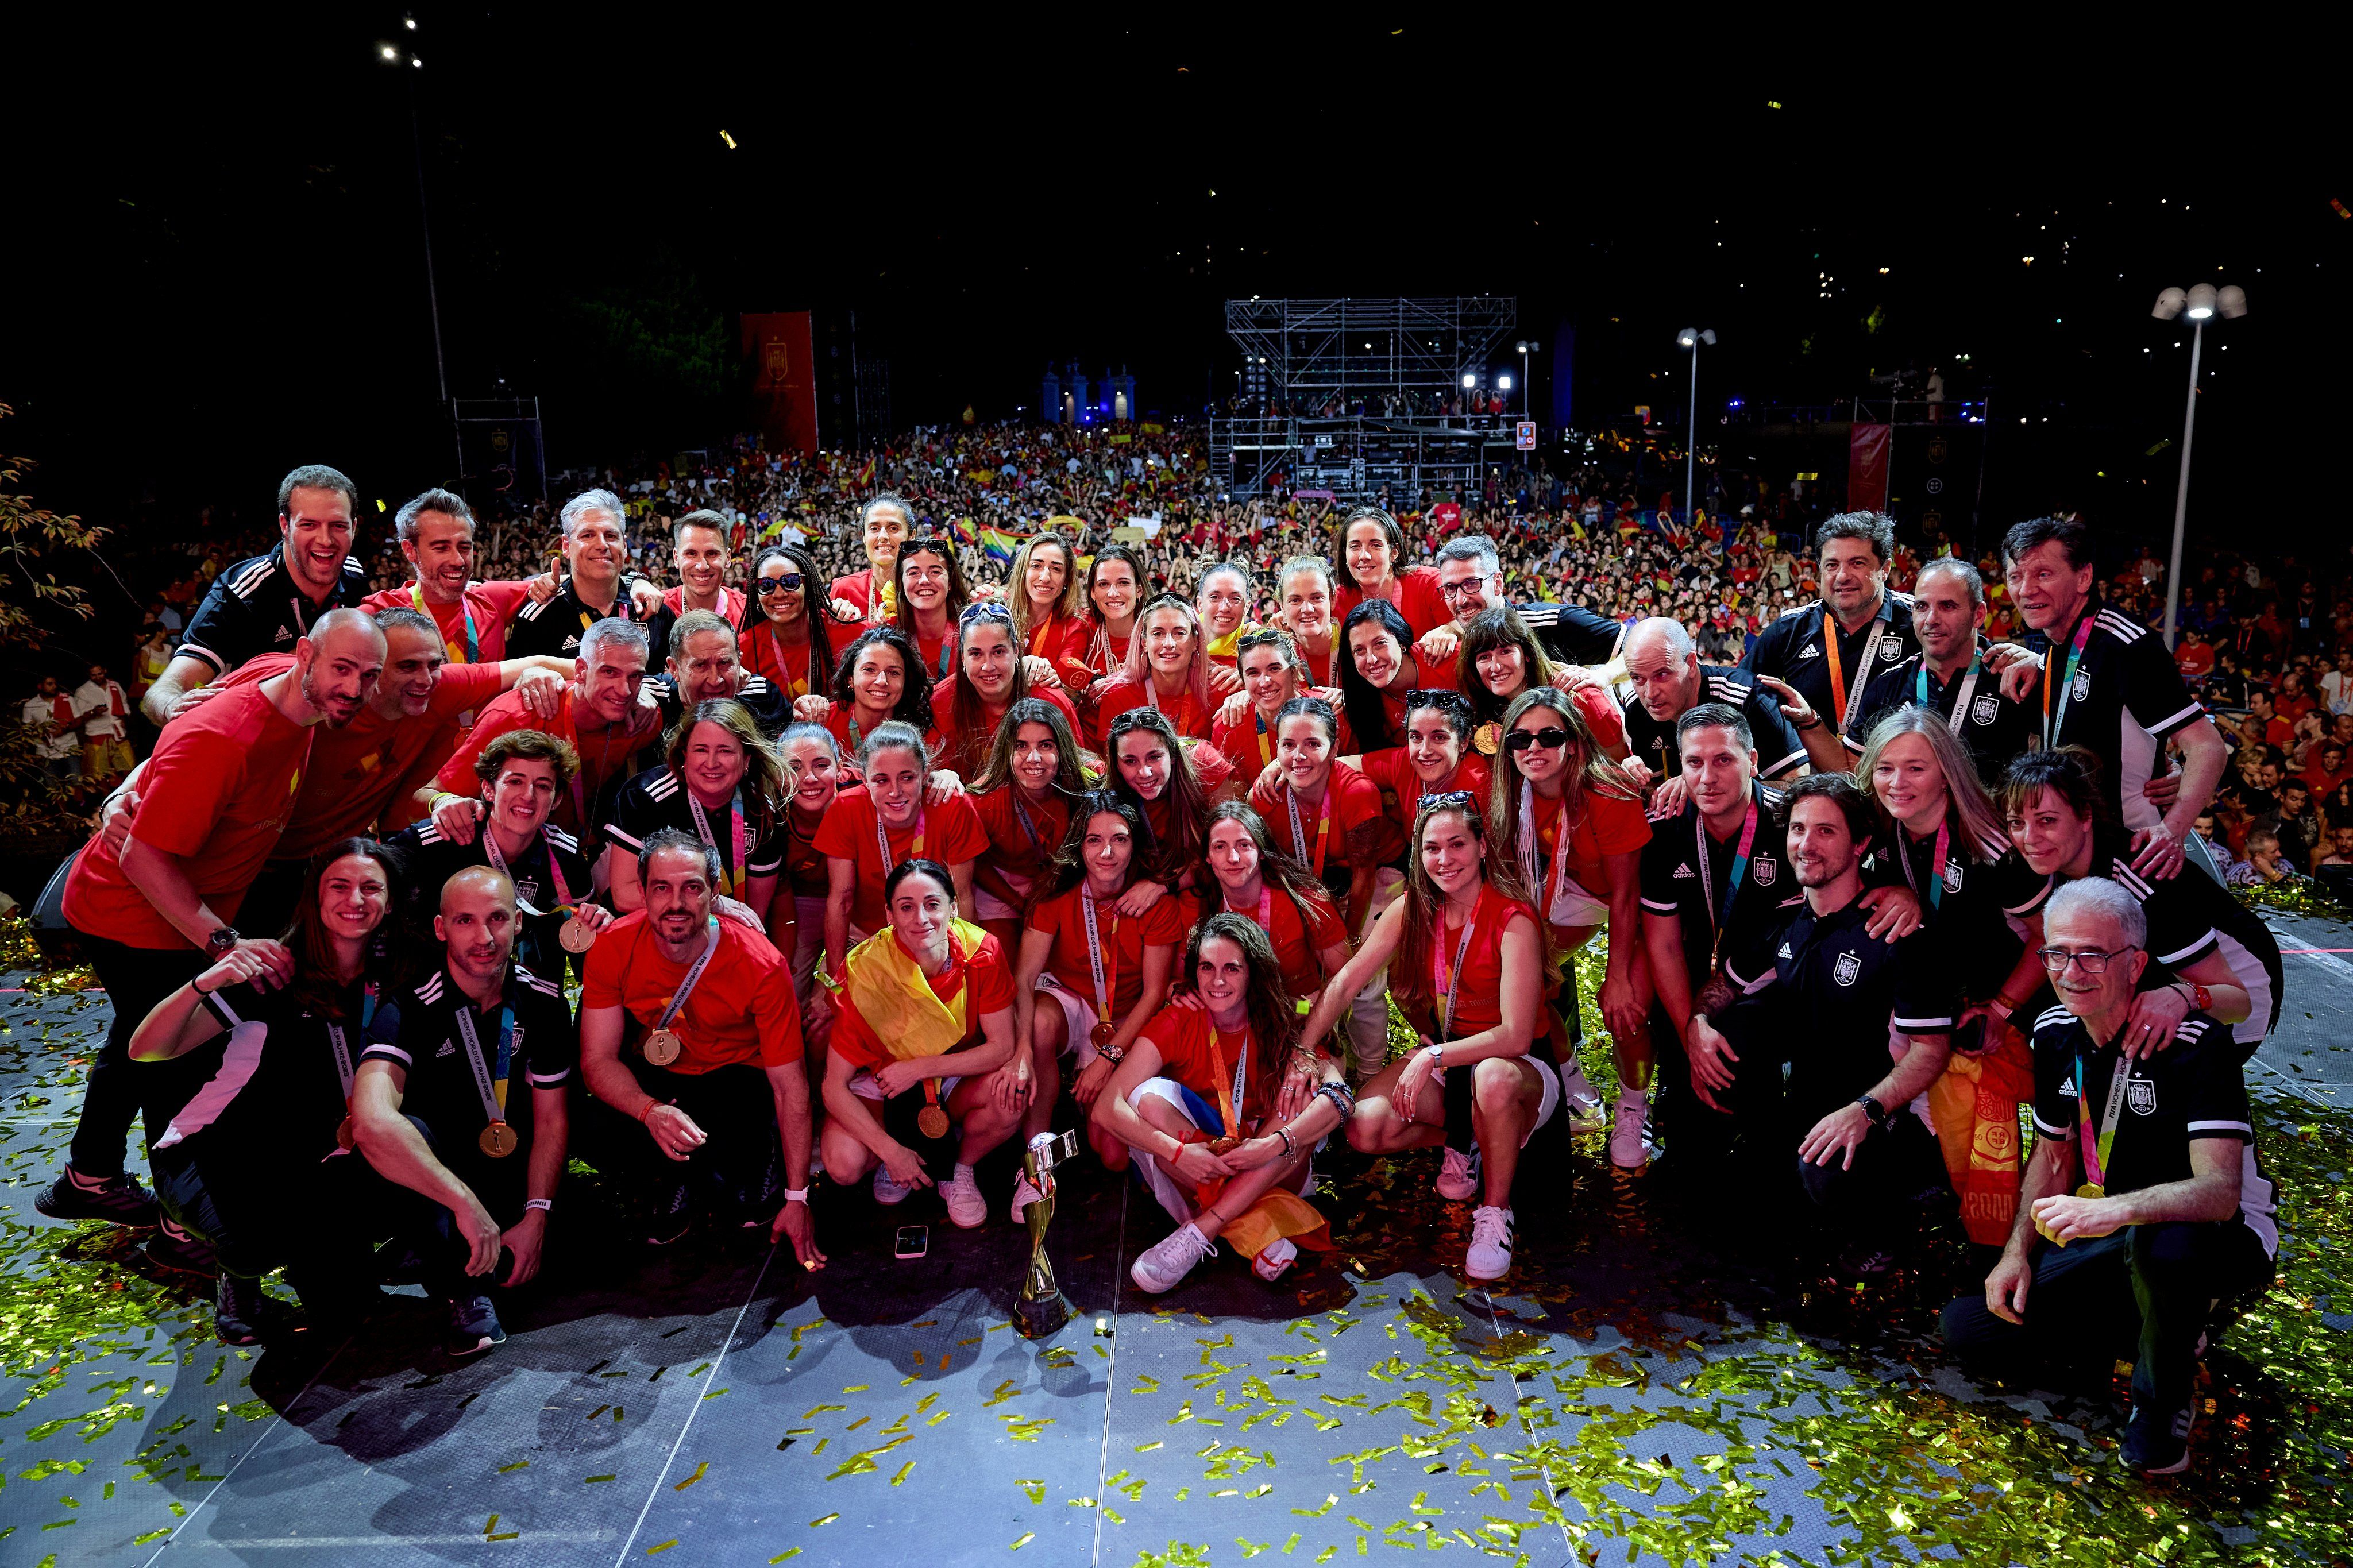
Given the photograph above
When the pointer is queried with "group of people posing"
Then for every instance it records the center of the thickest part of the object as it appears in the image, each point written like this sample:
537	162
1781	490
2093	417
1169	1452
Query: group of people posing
855	878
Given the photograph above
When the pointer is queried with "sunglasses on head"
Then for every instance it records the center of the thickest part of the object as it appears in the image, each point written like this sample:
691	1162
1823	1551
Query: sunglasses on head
989	609
1551	737
789	583
1453	800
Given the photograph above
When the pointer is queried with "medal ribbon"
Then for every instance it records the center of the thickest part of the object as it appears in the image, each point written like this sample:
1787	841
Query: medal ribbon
2095	1149
2067	683
1446	977
343	1047
734	836
1846	701
677	1003
491	1086
1719	916
1103	987
1265	741
554	872
1299	829
472	652
1549	881
1961	701
1230	1100
883	838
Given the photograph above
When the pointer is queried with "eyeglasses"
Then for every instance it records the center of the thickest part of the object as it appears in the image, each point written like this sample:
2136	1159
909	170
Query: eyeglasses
1468	585
788	584
2056	959
1551	737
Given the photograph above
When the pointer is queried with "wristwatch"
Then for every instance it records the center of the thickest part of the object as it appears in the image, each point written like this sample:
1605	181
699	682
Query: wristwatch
2200	997
1880	1115
797	1195
222	938
1111	1053
1437	1055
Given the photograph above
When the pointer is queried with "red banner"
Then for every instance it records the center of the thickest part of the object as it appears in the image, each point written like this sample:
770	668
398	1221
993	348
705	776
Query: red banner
1866	467
784	379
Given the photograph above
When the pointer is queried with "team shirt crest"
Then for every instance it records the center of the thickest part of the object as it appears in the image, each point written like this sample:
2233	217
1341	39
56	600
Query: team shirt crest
1764	869
2140	1093
1848	967
1985	710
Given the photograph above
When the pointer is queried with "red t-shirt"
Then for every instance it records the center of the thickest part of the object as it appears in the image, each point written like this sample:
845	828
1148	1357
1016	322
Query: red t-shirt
954	754
1009	846
787	667
1181	1036
372	762
731	602
1296	941
938	655
1610	825
836	723
1417	600
608	755
950	834
1354	800
491	605
218	793
1248	745
1402	789
741	1010
1082	652
2196	660
1188	718
984	970
857	589
1478	990
1124	939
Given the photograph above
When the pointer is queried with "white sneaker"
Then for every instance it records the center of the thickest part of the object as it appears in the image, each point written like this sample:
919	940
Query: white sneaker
887	1191
1579	1101
1276	1260
1630	1146
1490	1254
1025	1193
1457	1175
967	1207
1172	1258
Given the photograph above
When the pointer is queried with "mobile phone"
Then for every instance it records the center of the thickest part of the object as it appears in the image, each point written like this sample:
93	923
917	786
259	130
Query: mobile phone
914	1240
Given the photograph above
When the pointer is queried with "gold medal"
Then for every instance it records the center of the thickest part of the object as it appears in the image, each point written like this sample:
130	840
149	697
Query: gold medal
576	935
1488	738
1101	1035
2046	1234
346	1134
499	1140
2091	1190
662	1048
932	1121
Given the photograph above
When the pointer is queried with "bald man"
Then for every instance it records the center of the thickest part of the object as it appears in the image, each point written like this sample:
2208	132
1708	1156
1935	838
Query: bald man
160	910
437	1107
1664	668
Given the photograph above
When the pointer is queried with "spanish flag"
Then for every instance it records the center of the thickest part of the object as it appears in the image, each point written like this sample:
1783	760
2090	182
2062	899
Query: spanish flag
866	474
966	531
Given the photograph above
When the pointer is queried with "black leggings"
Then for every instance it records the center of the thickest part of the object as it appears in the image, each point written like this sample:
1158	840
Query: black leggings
136	979
317	1221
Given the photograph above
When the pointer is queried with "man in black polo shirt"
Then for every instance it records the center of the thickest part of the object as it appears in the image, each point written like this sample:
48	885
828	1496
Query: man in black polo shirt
2109	683
433	1113
595	551
266	604
1669	682
2174	1212
1821	992
705	663
1950	674
1714	875
1832	649
1470	578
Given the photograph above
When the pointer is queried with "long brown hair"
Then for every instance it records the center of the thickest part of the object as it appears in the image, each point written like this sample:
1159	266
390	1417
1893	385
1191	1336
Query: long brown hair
996	770
1187	805
1017	584
1277	869
1499	625
1588	769
1273	1020
771	784
316	989
1425	905
1068	868
959	594
967	714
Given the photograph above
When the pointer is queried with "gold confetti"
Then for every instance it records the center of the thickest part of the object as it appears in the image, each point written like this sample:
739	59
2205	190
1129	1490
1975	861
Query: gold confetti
1035	1489
828	1519
700	1470
592	1480
790	1551
665	1546
1026	1538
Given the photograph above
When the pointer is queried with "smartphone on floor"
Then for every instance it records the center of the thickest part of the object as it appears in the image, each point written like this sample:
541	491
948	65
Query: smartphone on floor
914	1240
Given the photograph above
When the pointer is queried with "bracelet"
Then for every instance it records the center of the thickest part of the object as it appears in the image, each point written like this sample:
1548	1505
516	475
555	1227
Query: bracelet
1284	1134
652	1106
797	1195
545	1206
1812	721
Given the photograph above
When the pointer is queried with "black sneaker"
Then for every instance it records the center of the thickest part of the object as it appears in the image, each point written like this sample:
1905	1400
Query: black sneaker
673	1214
473	1326
118	1199
182	1251
238	1307
2157	1443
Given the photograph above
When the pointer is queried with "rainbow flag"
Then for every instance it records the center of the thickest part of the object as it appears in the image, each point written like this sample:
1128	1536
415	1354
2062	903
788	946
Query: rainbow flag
998	545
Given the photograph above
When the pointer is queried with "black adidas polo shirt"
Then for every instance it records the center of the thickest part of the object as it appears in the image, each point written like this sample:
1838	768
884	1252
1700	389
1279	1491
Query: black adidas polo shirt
255	608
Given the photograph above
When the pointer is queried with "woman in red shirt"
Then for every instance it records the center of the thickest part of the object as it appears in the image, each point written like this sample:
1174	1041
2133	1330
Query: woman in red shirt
928	586
1115	581
1436	758
1198	1101
923	1047
1500	657
969	705
1045	604
1467	959
1305	594
778	637
878	680
1249	876
868	831
1089	978
1377	670
1023	793
1369	549
1150	769
1165	670
1573	823
1271	676
813	761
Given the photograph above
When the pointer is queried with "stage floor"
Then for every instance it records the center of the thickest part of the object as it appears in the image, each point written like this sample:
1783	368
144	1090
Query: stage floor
1628	1394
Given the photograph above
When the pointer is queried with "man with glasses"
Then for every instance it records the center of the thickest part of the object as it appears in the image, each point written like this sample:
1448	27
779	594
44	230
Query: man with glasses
1668	681
2144	1184
1470	578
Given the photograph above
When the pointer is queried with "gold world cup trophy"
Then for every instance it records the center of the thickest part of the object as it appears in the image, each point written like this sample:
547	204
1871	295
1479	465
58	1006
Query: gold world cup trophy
1042	1309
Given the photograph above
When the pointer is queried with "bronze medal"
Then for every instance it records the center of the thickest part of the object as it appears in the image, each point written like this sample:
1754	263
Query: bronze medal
1488	738
662	1048
1101	1035
346	1134
932	1121
1224	1145
575	936
499	1140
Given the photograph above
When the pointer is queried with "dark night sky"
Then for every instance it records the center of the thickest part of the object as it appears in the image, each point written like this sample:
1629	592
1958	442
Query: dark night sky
217	271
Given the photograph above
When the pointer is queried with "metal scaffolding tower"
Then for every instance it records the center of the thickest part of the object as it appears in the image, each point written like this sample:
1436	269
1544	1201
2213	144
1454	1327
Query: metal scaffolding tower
1316	350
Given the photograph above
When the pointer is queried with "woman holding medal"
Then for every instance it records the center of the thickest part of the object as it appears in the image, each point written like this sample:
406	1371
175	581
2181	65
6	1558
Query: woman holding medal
1195	1100
970	705
924	1047
1572	821
1023	794
868	831
1089	978
1500	657
1152	771
1252	877
778	637
721	782
249	1159
1467	959
1305	620
1042	594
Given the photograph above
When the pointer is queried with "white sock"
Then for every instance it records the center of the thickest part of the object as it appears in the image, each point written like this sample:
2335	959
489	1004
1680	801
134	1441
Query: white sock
963	1172
1633	1096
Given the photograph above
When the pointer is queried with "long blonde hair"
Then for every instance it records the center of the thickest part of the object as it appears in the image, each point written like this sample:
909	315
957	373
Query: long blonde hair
1016	585
770	783
1590	770
1425	904
1967	806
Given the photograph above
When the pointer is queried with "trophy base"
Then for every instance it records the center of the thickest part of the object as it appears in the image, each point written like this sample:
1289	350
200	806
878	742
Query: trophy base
1036	1319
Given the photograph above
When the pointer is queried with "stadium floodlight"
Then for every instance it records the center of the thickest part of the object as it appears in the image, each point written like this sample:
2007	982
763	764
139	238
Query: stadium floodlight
1691	338
1503	383
1470	380
2199	303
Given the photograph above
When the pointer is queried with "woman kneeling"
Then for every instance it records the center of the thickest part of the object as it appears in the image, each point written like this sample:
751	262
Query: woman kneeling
1196	1101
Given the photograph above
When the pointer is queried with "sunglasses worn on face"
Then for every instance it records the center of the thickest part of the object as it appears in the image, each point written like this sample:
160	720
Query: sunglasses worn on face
1551	737
789	583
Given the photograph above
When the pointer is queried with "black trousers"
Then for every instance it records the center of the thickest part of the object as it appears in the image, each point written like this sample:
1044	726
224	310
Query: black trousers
136	979
739	1170
1878	1195
1700	1140
2142	1293
267	907
318	1220
430	1231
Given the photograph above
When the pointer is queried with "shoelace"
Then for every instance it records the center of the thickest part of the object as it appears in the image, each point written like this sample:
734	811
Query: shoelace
1488	1227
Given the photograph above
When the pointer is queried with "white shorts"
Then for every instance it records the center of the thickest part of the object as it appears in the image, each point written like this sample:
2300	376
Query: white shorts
1079	1018
862	1085
989	907
1574	909
1547	1104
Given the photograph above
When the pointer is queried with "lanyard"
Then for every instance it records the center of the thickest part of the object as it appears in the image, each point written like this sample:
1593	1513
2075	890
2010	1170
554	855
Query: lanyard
472	652
947	653
1445	977
1937	875
1103	987
1961	701
2051	731
1299	829
1266	743
1042	638
554	872
1846	701
2096	1148
1230	1097
342	1047
677	1003
1720	916
734	835
1152	699
883	838
1550	881
1021	815
491	1085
